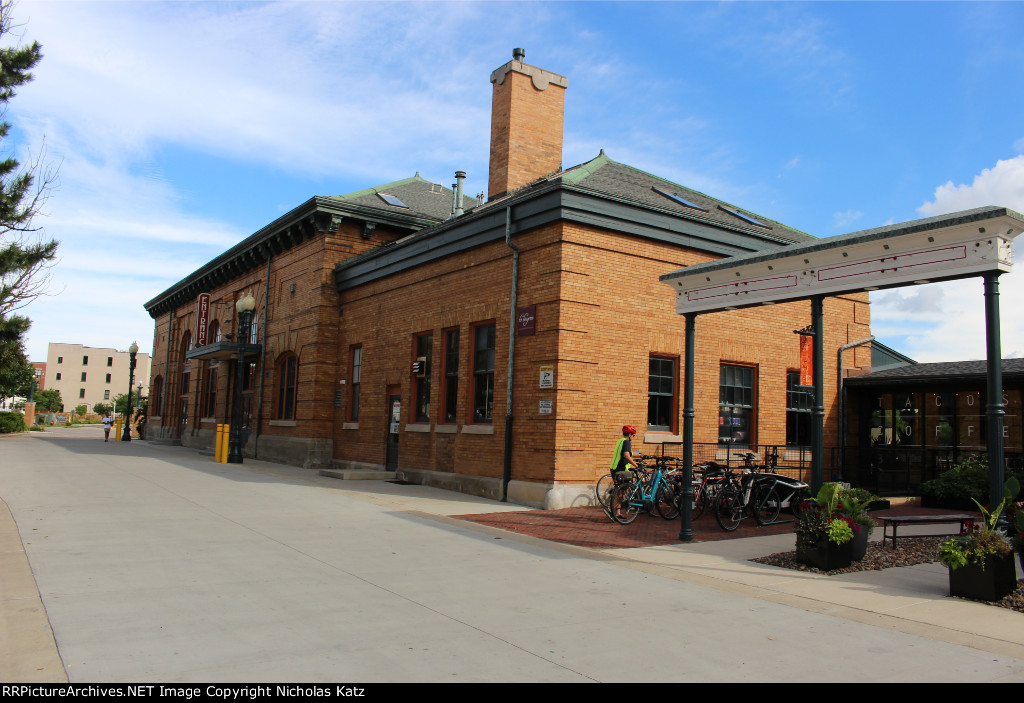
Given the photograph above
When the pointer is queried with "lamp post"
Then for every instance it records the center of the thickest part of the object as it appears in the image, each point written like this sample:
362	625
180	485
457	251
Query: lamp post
244	308
126	436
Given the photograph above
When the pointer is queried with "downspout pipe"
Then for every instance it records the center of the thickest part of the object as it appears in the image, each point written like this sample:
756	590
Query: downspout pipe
842	402
507	473
263	362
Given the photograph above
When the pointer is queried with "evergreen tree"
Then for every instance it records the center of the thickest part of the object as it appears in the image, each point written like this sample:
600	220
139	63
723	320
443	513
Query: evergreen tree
24	255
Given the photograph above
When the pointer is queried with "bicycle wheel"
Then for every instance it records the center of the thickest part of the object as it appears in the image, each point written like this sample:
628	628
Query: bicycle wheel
798	499
766	506
729	508
603	490
665	501
624	504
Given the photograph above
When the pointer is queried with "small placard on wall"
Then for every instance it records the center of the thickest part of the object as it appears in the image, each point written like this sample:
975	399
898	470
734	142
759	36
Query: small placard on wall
547	376
546	407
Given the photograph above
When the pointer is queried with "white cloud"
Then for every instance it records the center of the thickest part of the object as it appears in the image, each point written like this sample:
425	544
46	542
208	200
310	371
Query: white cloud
1018	146
1003	185
844	219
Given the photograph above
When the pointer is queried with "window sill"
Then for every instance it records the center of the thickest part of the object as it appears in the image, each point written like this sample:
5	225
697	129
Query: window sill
446	429
350	425
283	423
417	427
662	438
478	429
208	421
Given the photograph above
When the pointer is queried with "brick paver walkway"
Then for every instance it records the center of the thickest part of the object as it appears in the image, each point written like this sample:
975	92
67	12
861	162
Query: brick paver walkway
590	527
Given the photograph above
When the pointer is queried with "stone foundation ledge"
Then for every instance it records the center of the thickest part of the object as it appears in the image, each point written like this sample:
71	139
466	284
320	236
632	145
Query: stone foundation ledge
533	494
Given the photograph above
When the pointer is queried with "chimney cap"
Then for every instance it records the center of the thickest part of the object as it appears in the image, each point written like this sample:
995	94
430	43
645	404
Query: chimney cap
518	55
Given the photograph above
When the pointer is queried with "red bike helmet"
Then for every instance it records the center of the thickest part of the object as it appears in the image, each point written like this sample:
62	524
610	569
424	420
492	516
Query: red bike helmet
628	429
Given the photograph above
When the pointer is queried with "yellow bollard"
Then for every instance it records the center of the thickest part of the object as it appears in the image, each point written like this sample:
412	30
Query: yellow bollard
218	447
117	429
222	443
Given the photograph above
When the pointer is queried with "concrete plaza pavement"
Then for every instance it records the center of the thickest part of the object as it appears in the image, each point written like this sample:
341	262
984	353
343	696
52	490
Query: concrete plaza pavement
132	562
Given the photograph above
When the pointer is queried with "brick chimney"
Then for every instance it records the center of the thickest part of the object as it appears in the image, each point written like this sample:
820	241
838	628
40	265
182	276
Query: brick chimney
527	111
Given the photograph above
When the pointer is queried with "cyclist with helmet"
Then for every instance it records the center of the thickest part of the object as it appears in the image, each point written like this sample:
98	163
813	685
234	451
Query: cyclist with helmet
623	460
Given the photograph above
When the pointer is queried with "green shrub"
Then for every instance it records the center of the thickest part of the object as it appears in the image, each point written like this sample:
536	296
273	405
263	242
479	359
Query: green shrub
966	481
11	422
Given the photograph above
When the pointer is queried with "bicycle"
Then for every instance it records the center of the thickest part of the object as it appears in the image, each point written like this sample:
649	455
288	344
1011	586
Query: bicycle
706	488
643	489
793	492
745	494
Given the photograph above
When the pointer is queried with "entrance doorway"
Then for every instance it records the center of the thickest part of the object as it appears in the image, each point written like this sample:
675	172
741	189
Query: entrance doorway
394	421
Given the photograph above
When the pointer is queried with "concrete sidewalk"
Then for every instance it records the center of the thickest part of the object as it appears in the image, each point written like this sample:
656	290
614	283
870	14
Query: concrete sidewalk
473	602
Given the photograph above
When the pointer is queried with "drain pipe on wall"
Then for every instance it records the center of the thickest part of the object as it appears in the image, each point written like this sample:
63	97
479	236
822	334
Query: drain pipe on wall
507	475
842	403
263	360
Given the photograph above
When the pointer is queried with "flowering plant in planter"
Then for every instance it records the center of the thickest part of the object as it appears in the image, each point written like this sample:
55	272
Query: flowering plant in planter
978	543
822	519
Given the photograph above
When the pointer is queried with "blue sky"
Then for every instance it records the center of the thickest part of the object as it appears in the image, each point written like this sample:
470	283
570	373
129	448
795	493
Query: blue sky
180	128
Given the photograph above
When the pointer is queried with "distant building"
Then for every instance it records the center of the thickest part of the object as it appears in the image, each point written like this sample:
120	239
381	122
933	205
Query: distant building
90	375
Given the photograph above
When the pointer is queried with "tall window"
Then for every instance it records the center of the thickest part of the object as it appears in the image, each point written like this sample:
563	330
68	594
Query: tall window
424	344
110	361
451	375
210	396
85	361
798	412
254	329
287	375
483	373
357	375
661	394
108	378
83	377
736	404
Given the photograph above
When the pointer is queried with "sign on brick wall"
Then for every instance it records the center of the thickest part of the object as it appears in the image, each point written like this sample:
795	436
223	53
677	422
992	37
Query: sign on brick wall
202	319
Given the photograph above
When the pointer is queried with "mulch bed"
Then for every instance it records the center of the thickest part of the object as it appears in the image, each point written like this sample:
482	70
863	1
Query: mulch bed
909	551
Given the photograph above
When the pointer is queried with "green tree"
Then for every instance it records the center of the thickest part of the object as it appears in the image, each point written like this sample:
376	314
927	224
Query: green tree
16	373
102	408
25	256
81	409
49	401
122	402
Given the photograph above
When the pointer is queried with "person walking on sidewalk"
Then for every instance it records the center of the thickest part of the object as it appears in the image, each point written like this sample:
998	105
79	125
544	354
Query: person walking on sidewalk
107	423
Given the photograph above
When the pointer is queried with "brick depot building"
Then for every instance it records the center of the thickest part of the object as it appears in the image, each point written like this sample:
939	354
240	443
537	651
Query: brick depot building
490	346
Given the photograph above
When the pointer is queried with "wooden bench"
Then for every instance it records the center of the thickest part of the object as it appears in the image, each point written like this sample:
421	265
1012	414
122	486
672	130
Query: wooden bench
896	522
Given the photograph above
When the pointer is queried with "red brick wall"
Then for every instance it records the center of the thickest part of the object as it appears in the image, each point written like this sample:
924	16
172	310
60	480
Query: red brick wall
601	313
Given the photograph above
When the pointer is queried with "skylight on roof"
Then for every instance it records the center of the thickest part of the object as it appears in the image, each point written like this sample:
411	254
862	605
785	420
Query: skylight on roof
392	200
745	218
679	199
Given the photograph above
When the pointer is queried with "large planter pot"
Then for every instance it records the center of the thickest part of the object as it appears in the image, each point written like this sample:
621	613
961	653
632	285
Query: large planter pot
860	544
997	580
825	555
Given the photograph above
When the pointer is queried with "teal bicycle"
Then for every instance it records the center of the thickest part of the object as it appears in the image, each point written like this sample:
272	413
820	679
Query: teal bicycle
644	490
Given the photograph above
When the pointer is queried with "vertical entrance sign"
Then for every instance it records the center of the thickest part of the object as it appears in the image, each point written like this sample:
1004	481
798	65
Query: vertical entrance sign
202	318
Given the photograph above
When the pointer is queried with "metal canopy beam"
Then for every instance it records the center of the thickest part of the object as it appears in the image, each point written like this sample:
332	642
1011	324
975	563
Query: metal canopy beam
961	245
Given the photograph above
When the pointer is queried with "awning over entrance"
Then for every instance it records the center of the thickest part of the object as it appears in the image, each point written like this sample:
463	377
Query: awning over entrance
224	351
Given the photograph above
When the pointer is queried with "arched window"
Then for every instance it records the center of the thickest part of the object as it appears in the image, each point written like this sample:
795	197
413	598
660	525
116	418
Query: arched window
287	384
214	336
